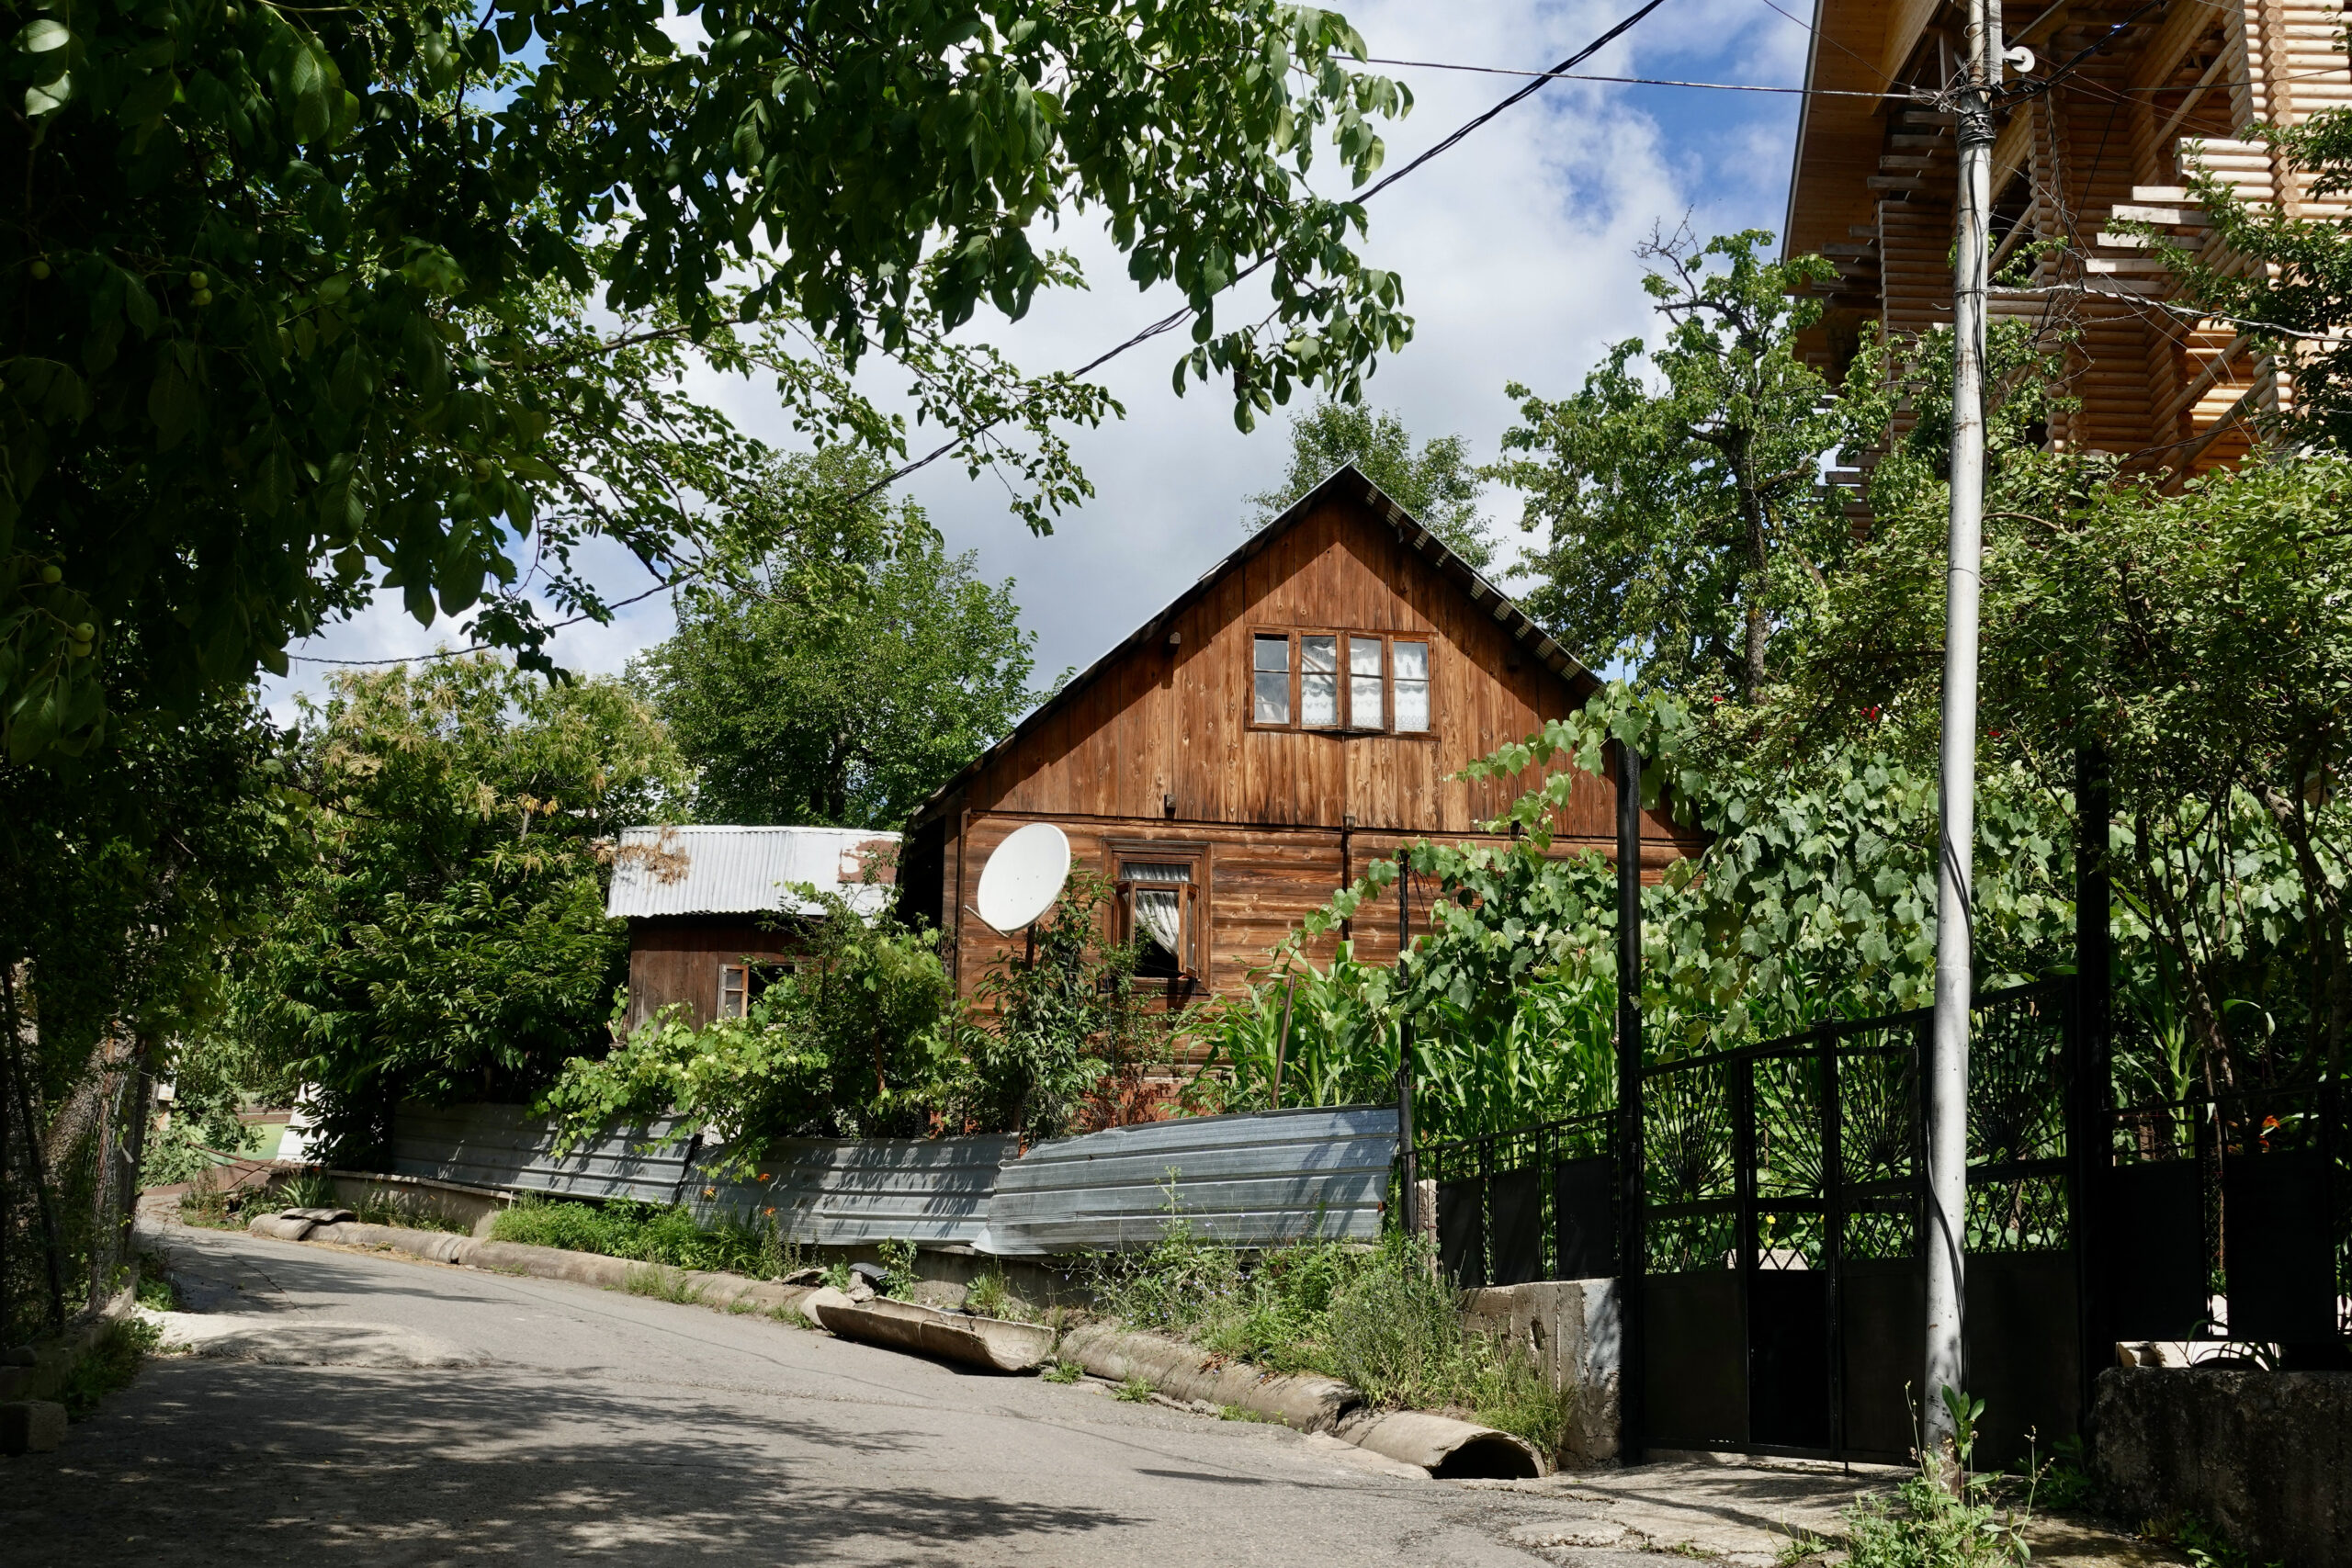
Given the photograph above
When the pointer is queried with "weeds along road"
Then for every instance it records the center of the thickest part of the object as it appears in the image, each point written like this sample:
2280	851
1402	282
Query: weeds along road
463	1416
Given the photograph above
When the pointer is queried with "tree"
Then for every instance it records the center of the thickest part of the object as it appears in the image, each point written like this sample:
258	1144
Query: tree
1439	484
1680	513
299	299
449	938
2201	640
116	893
863	667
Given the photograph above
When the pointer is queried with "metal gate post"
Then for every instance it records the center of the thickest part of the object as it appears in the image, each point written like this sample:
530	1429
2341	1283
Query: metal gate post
1633	1249
1741	1071
2090	1078
1833	1235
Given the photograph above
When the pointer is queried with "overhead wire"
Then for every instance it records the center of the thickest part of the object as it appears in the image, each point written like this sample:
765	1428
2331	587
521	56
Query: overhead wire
1166	323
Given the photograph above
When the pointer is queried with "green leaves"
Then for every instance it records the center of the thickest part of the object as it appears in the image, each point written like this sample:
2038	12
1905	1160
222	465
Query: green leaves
1680	509
420	252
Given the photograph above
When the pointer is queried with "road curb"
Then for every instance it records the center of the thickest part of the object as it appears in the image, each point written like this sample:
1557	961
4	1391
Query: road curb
1303	1402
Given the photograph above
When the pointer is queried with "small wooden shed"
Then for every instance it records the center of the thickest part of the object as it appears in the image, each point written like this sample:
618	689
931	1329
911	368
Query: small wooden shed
1295	714
711	913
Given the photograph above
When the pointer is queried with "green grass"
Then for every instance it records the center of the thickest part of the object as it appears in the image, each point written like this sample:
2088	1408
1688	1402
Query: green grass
661	1283
1062	1372
107	1366
156	1292
1376	1318
989	1296
1135	1391
649	1232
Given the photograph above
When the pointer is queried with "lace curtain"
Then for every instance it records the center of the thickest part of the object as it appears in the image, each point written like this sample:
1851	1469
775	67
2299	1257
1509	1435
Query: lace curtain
1157	901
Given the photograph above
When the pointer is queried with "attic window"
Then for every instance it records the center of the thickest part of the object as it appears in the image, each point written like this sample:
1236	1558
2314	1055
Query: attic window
1271	674
1365	683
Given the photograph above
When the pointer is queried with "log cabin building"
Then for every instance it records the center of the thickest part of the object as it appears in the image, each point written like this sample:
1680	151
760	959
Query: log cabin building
2126	104
1294	715
712	911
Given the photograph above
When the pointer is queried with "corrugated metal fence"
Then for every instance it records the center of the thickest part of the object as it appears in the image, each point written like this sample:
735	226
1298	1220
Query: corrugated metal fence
1255	1180
506	1146
1243	1180
838	1193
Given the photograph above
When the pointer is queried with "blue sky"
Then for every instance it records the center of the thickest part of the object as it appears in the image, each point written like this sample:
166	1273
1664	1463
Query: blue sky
1515	249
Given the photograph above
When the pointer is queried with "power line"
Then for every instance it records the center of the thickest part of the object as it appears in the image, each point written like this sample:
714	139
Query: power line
1629	81
1172	320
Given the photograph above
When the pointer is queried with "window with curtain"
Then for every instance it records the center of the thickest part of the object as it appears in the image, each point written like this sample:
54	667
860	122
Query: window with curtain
1156	894
1318	682
1366	705
1409	662
1358	681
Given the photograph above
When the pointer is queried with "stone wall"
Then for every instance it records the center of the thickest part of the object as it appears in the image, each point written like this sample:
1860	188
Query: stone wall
2267	1457
1573	1327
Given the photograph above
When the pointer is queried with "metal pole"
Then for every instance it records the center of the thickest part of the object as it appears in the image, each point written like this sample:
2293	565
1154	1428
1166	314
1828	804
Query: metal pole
1633	1255
1405	1064
2091	1079
1947	1077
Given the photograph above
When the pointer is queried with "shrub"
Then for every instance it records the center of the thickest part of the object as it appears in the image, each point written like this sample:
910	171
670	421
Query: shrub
1375	1317
649	1232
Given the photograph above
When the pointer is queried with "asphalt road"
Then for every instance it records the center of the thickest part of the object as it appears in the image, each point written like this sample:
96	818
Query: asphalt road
404	1413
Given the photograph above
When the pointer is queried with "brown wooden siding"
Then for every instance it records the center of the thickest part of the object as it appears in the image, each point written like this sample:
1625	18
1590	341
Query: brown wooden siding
1157	746
678	961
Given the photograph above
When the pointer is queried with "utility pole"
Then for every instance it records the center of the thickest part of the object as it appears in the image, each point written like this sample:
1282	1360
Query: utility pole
1947	1066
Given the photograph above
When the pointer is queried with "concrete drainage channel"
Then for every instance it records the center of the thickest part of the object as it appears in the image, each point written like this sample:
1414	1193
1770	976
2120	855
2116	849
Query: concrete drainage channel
1446	1448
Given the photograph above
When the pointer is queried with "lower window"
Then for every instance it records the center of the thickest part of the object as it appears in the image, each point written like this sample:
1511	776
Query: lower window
1156	899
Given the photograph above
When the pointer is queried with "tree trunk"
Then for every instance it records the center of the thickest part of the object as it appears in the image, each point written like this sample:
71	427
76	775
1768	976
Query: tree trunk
1752	516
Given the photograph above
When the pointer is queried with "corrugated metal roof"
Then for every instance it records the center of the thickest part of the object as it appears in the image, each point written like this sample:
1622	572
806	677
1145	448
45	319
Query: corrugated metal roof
744	871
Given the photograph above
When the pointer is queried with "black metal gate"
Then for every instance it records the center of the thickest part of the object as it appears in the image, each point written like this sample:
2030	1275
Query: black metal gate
1783	1294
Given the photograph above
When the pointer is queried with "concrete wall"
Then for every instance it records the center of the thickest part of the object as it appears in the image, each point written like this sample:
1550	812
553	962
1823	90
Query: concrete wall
1574	1327
2265	1456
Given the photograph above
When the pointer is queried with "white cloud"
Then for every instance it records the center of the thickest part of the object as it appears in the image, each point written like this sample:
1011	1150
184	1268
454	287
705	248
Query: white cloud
1515	249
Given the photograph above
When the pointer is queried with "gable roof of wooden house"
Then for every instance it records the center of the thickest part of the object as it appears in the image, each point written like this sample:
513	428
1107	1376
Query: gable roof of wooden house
1345	488
1161	727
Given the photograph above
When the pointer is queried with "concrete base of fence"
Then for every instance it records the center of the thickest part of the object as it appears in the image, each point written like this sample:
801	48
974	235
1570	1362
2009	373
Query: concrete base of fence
1574	1330
2265	1456
421	1198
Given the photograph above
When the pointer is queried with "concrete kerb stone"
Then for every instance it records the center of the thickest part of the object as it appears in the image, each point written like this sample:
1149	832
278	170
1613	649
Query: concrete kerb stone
721	1291
1306	1403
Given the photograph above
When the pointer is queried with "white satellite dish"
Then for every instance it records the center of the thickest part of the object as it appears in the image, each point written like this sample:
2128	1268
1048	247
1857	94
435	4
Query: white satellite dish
1023	877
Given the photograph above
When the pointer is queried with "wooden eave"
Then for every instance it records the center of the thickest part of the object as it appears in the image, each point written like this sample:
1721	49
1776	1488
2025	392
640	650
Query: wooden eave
1346	482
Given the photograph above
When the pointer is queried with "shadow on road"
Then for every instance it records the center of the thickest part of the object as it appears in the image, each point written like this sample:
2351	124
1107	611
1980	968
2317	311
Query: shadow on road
205	1462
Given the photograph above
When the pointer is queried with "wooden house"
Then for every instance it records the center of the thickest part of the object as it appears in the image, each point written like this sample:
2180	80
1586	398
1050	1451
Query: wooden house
1295	714
714	912
2125	105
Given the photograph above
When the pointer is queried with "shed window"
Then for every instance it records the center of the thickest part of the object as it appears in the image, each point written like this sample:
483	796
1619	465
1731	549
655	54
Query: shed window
741	985
1272	675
